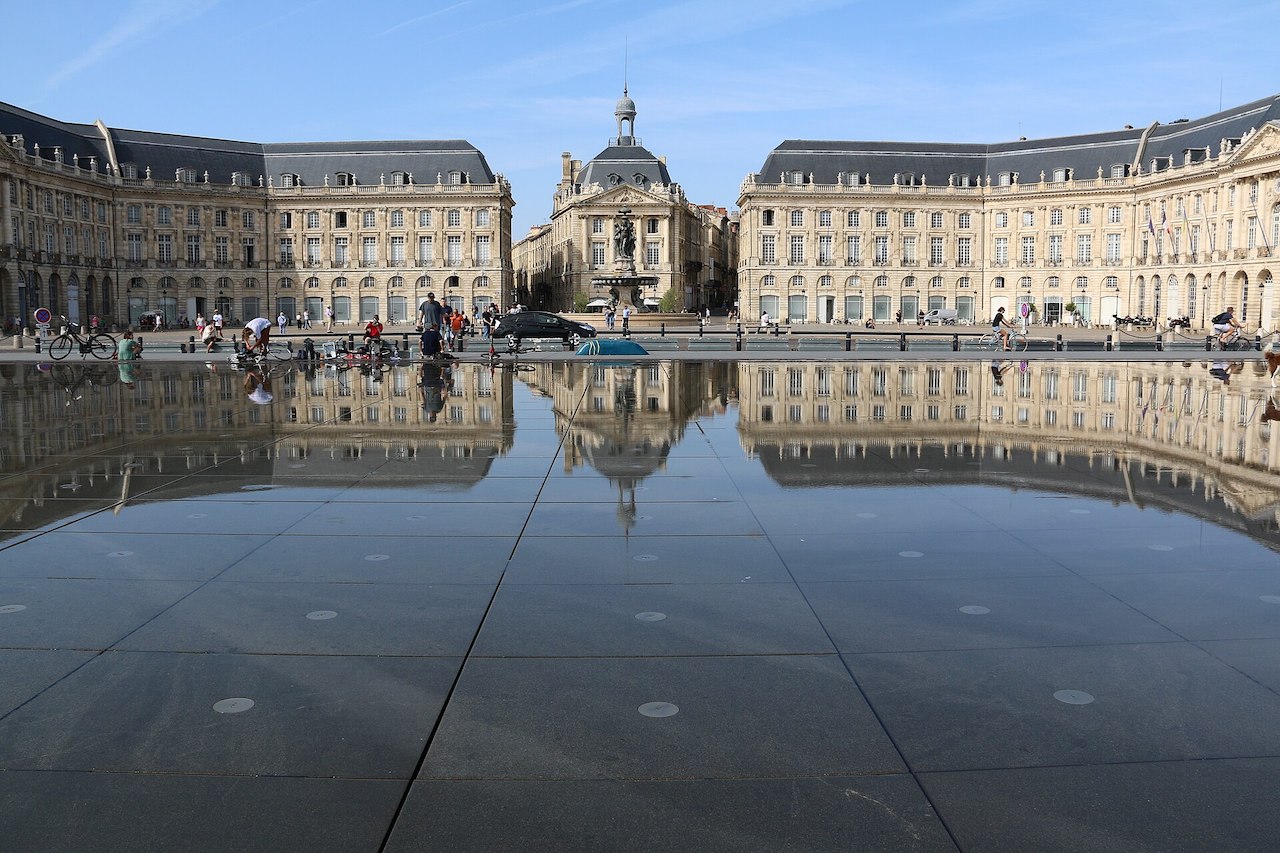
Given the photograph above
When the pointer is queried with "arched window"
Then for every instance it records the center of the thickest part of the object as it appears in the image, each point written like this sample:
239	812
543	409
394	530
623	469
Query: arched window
251	283
909	281
824	281
137	283
853	282
195	283
168	283
340	281
882	281
481	281
1025	282
424	281
1053	281
998	281
289	179
367	281
285	283
224	283
396	281
964	282
797	282
936	281
313	282
768	281
344	179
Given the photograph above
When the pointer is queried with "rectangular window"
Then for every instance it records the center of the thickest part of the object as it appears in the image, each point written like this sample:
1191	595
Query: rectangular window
882	219
133	247
796	254
597	225
221	250
340	250
454	219
1002	251
1086	215
1055	248
482	250
824	219
193	249
1028	250
424	219
935	251
453	251
397	249
824	249
882	250
652	254
768	249
1113	215
164	215
286	219
313	251
133	214
1113	248
1028	218
286	251
1084	248
854	219
339	219
964	220
909	219
797	218
1251	237
164	248
597	255
247	219
935	220
369	251
369	219
964	251
908	250
249	250
313	219
397	219
482	218
854	249
426	250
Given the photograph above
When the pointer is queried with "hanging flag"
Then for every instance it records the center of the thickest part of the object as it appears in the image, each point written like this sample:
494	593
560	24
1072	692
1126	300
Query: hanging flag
1165	225
1151	226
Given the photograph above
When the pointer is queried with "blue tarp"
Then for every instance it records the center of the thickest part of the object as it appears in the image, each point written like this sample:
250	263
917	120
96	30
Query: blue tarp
611	346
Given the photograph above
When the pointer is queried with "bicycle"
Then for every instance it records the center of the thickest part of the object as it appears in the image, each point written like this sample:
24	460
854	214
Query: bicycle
72	378
99	345
1236	340
275	351
991	341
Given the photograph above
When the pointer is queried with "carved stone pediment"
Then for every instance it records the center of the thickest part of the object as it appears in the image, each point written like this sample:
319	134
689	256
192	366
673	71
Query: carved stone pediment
1261	145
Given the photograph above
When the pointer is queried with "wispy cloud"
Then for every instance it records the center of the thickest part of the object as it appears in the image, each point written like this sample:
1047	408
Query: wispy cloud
139	20
420	18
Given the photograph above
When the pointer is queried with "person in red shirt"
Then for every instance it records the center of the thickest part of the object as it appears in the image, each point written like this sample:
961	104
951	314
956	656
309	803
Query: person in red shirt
457	322
372	330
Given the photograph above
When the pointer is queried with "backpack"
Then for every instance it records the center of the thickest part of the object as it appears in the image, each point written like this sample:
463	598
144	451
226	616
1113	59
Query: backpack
1224	317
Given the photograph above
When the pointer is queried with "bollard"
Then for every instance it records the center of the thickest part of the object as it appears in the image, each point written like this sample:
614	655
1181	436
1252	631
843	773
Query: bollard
1208	343
739	329
351	342
701	327
739	341
191	343
404	342
17	341
955	343
902	342
1108	346
1257	342
777	329
37	342
1057	344
662	329
1159	343
848	341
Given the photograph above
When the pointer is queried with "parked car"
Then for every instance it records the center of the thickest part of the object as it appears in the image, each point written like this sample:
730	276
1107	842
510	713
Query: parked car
541	324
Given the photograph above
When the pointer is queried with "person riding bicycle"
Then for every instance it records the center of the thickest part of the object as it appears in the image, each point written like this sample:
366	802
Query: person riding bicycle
372	331
257	333
1000	327
1225	324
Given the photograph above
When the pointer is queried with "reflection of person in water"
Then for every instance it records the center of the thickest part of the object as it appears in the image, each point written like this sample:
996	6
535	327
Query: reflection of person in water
1225	370
998	369
258	386
1271	413
436	379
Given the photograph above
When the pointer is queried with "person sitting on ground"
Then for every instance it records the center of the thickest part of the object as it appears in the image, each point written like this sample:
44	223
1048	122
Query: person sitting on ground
1225	324
372	330
257	332
209	337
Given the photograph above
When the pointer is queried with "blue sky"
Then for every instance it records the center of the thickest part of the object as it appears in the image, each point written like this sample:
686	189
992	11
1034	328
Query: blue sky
716	84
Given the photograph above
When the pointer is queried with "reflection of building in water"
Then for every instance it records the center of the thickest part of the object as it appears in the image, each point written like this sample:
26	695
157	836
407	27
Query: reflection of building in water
175	421
818	424
625	419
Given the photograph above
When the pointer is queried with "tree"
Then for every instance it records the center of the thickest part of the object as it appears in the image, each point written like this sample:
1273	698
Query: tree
670	301
580	302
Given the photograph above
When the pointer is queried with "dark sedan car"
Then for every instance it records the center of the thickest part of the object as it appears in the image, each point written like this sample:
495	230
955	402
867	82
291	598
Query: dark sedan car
541	324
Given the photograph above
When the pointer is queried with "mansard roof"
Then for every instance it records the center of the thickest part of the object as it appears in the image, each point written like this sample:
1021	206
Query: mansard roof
1084	154
626	162
165	153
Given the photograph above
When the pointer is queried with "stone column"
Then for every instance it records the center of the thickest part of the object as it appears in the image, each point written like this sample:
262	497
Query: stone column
6	224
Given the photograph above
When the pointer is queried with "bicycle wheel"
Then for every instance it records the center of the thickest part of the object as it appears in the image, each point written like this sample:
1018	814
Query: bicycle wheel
278	351
386	351
102	346
60	347
1018	342
987	341
64	375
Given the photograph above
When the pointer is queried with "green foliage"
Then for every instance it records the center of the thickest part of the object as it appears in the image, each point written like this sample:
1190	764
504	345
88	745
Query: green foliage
670	301
580	301
1070	307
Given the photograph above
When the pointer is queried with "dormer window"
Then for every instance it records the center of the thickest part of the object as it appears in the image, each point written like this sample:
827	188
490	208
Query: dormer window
345	179
399	179
1004	179
240	179
1120	170
906	179
795	177
455	178
848	179
961	180
129	171
639	179
1060	175
289	179
186	175
614	179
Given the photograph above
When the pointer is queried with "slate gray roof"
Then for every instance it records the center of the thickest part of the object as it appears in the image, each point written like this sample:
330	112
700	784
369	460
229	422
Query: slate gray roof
1084	154
626	162
48	133
165	153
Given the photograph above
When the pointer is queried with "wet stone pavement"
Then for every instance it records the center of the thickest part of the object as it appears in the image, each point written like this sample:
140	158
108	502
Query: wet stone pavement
669	607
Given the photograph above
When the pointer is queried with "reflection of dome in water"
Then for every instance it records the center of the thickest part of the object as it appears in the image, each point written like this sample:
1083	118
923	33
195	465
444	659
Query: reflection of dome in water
627	460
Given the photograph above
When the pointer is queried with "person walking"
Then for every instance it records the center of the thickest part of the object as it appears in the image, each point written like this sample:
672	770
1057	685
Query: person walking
328	318
217	321
282	321
626	320
430	312
306	319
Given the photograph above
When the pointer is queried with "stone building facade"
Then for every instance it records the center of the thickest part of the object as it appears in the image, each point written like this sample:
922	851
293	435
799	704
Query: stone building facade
121	224
1162	221
679	246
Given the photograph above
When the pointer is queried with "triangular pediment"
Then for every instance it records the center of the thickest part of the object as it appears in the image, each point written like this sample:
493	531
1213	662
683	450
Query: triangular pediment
1262	144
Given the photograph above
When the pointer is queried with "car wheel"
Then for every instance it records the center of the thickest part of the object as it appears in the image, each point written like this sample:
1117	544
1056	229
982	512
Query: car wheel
574	340
513	343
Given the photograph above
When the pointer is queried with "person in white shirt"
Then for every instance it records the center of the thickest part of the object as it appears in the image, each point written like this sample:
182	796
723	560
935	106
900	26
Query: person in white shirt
282	321
257	332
